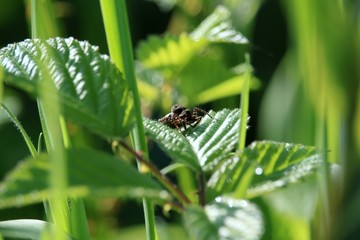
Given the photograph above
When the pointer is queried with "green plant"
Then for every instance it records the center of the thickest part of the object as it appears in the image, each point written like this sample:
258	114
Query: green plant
85	88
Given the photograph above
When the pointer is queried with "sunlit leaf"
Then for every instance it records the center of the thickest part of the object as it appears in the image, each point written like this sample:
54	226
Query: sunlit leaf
209	72
264	166
278	179
91	89
227	88
169	53
27	229
205	146
172	142
217	80
90	173
217	27
225	219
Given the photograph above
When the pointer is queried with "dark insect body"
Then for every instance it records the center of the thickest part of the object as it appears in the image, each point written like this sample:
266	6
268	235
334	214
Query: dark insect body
181	117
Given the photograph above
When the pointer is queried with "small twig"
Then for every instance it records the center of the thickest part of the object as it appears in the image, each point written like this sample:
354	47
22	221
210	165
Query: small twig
201	191
161	177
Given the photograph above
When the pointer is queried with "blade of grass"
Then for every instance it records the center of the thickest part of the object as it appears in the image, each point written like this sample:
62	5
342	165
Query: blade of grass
44	25
244	105
44	11
119	43
56	137
50	112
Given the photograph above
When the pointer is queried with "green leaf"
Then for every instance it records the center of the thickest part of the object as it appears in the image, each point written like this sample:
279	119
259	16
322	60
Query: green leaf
90	173
91	89
204	146
172	142
217	80
278	179
229	87
169	53
205	69
225	219
27	229
217	27
263	167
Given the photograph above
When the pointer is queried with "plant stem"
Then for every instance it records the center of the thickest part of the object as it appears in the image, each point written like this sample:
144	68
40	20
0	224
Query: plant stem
49	110
44	25
26	137
244	103
119	42
158	175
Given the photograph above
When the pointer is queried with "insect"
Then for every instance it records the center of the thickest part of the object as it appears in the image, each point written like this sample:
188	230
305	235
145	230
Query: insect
181	117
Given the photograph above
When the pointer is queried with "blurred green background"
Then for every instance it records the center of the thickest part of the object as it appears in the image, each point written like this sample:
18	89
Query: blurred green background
306	54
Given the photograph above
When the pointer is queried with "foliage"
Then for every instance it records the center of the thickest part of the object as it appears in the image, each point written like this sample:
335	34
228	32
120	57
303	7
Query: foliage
231	183
184	59
77	69
90	172
89	84
225	218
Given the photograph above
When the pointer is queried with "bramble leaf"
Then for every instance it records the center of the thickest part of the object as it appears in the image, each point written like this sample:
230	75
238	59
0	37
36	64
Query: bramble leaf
263	167
224	219
90	173
203	146
217	27
169	53
172	142
91	89
218	81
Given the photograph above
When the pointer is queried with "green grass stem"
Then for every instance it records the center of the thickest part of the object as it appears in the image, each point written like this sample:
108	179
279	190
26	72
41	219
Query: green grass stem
44	25
119	43
244	105
50	112
17	123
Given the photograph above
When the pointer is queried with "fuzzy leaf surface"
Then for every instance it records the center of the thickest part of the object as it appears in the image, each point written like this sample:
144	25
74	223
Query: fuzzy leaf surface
90	173
263	167
169	53
203	146
217	27
92	91
225	219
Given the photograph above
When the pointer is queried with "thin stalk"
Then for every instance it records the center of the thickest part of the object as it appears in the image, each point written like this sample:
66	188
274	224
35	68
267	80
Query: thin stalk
323	179
44	25
47	27
26	137
119	42
170	186
49	113
244	105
